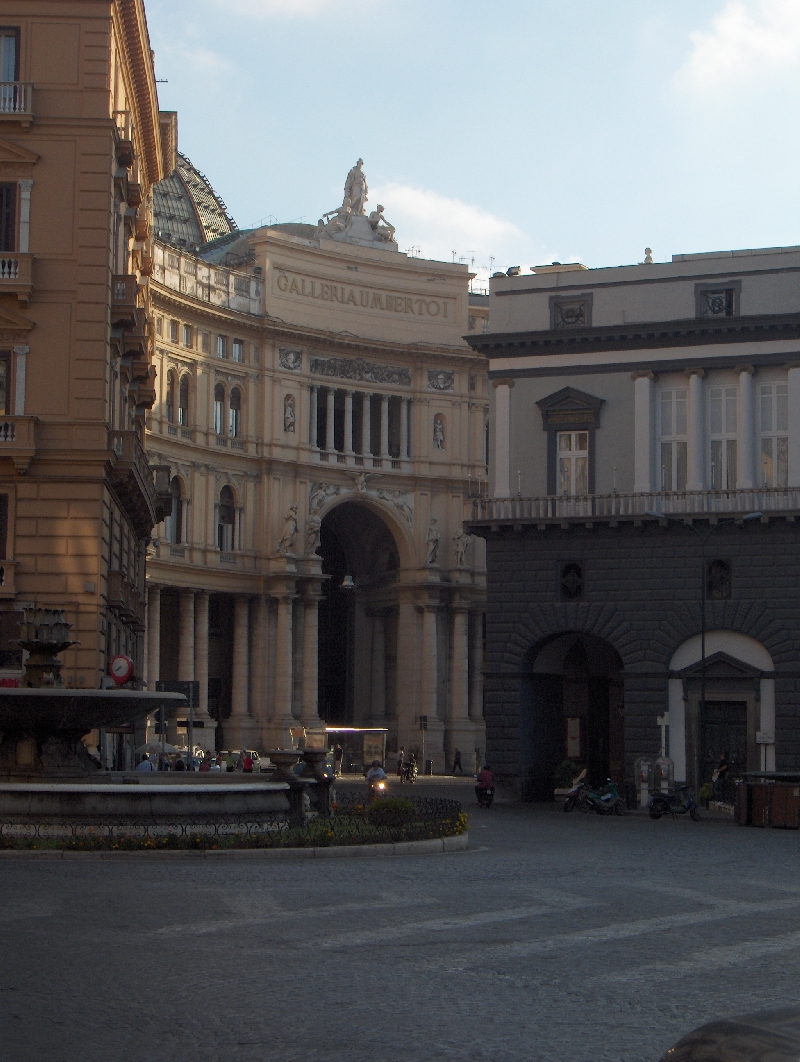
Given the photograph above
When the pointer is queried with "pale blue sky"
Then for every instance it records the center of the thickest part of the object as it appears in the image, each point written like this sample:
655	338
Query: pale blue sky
525	130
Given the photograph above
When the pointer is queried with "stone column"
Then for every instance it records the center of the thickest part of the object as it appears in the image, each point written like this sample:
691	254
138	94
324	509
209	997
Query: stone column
745	451
794	428
201	652
282	717
476	669
643	432
502	438
329	422
310	707
348	422
186	637
153	636
24	214
377	709
404	454
384	426
407	679
236	728
366	416
695	465
434	749
312	419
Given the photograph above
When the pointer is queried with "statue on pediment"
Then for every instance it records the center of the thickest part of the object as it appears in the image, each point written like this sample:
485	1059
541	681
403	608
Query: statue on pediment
380	226
355	188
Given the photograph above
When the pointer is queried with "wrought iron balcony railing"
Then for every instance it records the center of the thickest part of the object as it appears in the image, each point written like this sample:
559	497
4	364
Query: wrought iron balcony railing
704	503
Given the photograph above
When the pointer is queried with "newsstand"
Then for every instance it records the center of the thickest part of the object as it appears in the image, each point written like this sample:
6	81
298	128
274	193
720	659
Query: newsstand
769	798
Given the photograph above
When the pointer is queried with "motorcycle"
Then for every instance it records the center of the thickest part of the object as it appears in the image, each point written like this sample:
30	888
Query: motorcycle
485	796
577	797
677	801
409	772
377	787
605	800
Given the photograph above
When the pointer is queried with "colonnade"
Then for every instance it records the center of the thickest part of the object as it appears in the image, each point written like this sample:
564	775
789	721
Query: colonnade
358	441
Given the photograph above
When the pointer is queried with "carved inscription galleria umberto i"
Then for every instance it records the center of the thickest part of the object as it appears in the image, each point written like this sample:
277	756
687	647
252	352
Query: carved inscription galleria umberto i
305	287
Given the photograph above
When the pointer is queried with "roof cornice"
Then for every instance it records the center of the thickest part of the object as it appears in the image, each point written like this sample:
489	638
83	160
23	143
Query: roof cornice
144	99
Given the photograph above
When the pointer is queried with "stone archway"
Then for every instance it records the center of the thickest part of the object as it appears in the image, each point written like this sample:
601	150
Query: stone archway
571	707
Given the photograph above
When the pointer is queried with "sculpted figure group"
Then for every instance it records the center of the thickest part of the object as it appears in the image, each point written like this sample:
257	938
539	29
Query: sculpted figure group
356	192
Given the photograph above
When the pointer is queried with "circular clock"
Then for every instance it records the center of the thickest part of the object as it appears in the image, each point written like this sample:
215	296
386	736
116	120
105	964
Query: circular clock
121	669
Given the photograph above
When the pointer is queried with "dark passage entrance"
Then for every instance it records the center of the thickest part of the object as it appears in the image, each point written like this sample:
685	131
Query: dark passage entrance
724	729
571	708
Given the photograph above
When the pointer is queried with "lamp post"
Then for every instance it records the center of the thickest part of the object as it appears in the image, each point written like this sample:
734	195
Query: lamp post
703	536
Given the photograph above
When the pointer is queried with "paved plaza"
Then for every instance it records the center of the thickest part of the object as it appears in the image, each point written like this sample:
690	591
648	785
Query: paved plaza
556	937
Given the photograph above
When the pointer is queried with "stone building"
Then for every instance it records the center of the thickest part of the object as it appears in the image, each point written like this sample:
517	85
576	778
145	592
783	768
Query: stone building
324	419
81	146
645	457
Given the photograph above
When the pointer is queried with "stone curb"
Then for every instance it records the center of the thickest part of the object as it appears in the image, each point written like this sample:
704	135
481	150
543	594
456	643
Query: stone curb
458	843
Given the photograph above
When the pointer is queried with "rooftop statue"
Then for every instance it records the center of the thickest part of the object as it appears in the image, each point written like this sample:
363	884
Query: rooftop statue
350	223
380	226
355	188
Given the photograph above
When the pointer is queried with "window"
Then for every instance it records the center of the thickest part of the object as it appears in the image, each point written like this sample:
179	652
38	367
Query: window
9	66
774	419
5	390
722	432
205	339
256	354
173	331
673	415
8	217
221	279
222	346
170	403
219	408
238	350
241	285
159	326
573	462
718	580
174	521
225	518
190	268
719	301
187	335
173	262
234	412
183	401
572	582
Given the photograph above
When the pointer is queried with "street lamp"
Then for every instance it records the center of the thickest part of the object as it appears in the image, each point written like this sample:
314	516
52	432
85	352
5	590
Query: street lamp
703	536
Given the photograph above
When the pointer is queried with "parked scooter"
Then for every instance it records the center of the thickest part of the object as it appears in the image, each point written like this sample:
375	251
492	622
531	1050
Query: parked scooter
578	796
606	800
408	771
676	802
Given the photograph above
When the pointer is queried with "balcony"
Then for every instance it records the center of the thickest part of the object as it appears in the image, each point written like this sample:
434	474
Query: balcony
611	508
125	599
7	583
123	300
16	102
132	478
16	275
123	129
18	440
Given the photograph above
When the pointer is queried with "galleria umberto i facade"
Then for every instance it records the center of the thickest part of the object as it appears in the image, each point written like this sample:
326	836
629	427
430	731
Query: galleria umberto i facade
324	419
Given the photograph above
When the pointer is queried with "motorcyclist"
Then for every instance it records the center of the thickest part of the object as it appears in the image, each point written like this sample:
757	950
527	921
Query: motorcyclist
376	772
485	780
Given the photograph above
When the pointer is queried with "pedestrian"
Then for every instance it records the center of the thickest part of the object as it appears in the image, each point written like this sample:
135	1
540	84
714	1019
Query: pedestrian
338	756
247	762
719	777
457	761
179	765
205	765
401	759
230	762
146	764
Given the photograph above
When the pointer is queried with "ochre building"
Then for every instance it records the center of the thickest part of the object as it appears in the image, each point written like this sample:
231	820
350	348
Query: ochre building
324	420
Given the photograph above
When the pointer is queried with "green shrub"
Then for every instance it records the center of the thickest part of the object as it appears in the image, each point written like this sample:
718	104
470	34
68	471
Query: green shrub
391	811
707	791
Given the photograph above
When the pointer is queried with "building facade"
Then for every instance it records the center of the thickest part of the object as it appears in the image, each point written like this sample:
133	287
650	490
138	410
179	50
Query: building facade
324	419
81	146
645	487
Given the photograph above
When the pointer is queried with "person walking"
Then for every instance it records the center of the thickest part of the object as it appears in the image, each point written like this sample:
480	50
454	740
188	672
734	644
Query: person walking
146	764
247	762
338	756
719	777
401	759
457	762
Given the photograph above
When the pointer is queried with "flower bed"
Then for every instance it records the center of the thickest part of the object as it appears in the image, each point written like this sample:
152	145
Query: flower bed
385	821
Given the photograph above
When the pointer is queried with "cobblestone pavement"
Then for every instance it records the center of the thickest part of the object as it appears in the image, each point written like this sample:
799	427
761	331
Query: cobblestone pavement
556	937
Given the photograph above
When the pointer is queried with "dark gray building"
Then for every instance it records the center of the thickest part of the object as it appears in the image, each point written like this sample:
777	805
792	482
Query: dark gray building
641	417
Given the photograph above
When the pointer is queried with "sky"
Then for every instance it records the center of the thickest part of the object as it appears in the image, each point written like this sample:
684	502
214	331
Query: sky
504	133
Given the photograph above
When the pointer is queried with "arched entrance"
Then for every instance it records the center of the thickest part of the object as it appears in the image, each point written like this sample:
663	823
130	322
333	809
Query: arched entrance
358	625
571	708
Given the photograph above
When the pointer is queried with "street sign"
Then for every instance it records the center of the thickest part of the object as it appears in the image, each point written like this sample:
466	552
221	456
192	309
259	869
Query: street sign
183	724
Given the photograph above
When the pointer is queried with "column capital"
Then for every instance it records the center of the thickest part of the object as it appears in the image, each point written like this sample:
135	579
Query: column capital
696	372
643	375
25	185
748	370
505	382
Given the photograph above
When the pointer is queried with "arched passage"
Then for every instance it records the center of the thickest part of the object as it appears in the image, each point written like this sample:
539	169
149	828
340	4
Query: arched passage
357	626
571	708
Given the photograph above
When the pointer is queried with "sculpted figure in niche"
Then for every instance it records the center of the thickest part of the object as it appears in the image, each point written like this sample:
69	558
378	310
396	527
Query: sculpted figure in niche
355	188
288	413
462	541
380	226
438	432
289	532
432	540
313	524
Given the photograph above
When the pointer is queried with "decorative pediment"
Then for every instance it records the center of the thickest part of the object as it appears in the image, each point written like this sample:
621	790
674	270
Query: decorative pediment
13	326
11	152
570	407
721	666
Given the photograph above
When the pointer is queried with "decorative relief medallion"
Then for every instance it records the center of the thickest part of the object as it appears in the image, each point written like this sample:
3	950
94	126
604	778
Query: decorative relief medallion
290	359
358	369
569	315
439	380
401	500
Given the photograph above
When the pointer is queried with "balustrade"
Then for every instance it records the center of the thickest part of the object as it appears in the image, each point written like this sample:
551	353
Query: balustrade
341	424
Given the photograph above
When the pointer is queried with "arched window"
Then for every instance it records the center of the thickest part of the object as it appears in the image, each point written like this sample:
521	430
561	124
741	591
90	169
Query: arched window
174	521
183	400
225	520
219	409
170	403
234	412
